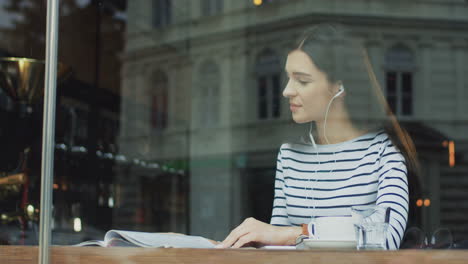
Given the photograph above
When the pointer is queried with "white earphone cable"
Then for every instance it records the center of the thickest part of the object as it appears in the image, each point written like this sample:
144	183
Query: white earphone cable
340	91
325	123
317	157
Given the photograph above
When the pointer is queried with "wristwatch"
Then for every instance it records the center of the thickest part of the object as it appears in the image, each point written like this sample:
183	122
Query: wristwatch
303	235
300	239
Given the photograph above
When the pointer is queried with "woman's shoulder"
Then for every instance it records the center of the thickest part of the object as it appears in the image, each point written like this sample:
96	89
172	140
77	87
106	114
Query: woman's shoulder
377	140
387	149
374	140
296	147
379	136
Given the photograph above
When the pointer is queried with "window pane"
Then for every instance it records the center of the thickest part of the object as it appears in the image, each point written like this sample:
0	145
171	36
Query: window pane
407	83
276	95
407	93
262	98
391	83
170	119
162	12
391	89
407	106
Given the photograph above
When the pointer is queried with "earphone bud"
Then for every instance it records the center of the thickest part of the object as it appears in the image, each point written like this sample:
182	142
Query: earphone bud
340	91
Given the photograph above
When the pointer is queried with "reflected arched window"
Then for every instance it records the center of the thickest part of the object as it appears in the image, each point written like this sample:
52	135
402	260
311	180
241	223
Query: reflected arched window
400	65
162	13
267	70
209	93
158	94
211	7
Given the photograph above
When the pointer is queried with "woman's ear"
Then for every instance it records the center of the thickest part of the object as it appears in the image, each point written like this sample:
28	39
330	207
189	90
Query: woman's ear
340	90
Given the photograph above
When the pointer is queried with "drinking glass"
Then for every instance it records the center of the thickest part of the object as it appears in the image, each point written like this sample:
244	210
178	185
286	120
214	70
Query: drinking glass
372	226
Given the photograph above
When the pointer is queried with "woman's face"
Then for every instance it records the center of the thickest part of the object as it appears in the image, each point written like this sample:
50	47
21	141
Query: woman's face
308	88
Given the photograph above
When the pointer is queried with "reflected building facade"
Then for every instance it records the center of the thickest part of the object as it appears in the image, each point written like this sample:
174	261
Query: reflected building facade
202	115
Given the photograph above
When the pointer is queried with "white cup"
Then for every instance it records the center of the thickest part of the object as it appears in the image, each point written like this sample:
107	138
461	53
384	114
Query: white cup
338	228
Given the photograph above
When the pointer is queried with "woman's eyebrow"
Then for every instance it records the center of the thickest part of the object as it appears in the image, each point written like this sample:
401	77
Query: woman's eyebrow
302	74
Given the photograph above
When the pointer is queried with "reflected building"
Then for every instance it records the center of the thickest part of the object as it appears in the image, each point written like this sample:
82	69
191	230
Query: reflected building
201	101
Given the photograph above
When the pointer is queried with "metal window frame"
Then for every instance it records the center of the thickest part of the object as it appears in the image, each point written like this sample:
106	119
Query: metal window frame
48	131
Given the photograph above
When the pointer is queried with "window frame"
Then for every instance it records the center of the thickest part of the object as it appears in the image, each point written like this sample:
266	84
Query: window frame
400	69
162	13
270	72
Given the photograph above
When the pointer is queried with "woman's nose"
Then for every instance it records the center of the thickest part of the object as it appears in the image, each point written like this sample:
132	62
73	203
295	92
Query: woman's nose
289	90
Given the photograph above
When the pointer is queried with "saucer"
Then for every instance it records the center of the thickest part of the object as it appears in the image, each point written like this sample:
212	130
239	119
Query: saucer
329	244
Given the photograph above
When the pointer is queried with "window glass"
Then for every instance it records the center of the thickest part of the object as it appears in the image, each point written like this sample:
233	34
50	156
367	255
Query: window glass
191	116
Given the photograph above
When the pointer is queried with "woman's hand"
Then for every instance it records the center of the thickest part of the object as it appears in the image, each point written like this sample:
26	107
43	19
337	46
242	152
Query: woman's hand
254	231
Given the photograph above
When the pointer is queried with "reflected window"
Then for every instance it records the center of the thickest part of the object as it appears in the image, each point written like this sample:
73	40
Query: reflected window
162	13
268	85
158	96
209	93
399	62
211	7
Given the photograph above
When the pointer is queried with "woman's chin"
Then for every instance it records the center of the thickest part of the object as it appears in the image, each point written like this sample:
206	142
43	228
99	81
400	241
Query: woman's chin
300	120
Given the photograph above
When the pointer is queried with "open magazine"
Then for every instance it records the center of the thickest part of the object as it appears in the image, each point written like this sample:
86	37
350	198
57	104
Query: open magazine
120	238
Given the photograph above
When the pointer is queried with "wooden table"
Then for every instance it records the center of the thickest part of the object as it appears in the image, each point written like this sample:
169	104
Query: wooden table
75	255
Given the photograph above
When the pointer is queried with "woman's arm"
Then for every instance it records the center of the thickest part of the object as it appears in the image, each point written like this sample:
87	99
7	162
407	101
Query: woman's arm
393	193
254	231
279	232
279	216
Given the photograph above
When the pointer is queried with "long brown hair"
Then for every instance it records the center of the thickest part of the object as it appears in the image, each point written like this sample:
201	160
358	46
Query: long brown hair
342	57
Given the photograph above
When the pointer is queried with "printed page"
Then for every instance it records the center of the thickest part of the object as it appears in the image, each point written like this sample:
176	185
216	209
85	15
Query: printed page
145	239
98	243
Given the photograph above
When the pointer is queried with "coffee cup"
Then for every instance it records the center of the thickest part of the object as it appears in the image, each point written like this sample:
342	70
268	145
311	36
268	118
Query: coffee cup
339	228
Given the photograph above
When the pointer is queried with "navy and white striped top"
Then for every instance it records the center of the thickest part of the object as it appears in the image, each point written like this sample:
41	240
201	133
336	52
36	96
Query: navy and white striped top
330	179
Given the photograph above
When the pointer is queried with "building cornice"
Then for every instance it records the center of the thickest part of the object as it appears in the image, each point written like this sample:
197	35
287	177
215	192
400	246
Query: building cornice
183	47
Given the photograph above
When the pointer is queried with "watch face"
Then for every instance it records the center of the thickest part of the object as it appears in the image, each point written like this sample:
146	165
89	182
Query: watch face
300	238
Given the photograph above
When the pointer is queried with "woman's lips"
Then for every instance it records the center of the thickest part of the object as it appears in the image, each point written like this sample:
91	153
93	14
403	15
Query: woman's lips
294	107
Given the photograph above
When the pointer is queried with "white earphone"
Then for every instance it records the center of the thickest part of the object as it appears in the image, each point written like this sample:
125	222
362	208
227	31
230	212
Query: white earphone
340	92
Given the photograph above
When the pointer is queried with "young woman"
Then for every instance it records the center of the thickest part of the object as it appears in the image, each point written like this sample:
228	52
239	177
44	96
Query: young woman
355	152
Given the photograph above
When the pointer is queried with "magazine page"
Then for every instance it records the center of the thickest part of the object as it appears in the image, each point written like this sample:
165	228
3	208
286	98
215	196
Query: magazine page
145	239
98	243
119	242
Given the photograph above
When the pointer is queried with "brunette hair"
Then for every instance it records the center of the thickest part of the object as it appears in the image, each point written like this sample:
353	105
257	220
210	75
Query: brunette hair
342	57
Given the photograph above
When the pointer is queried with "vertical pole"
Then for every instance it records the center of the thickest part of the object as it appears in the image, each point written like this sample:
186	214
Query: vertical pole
48	131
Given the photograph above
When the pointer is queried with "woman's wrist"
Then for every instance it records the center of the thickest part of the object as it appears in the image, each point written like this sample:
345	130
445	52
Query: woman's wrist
290	234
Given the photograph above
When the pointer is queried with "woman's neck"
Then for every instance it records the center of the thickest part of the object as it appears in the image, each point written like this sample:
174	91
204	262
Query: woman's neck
339	128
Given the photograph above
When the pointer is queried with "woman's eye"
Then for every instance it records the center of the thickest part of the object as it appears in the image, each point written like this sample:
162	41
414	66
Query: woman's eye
302	82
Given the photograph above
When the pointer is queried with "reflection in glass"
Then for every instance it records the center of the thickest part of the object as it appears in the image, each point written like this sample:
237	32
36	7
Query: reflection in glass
158	95
209	99
149	139
399	63
267	74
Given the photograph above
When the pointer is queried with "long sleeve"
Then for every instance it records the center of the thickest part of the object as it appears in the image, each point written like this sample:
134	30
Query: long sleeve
393	193
279	215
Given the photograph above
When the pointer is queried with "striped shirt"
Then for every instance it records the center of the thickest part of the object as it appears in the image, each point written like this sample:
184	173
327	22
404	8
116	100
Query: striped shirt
330	179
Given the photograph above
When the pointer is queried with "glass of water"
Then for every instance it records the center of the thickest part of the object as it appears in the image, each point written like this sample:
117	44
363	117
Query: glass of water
371	226
371	236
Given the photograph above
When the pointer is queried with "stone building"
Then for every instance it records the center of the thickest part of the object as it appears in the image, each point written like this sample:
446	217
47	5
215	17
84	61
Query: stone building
202	103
